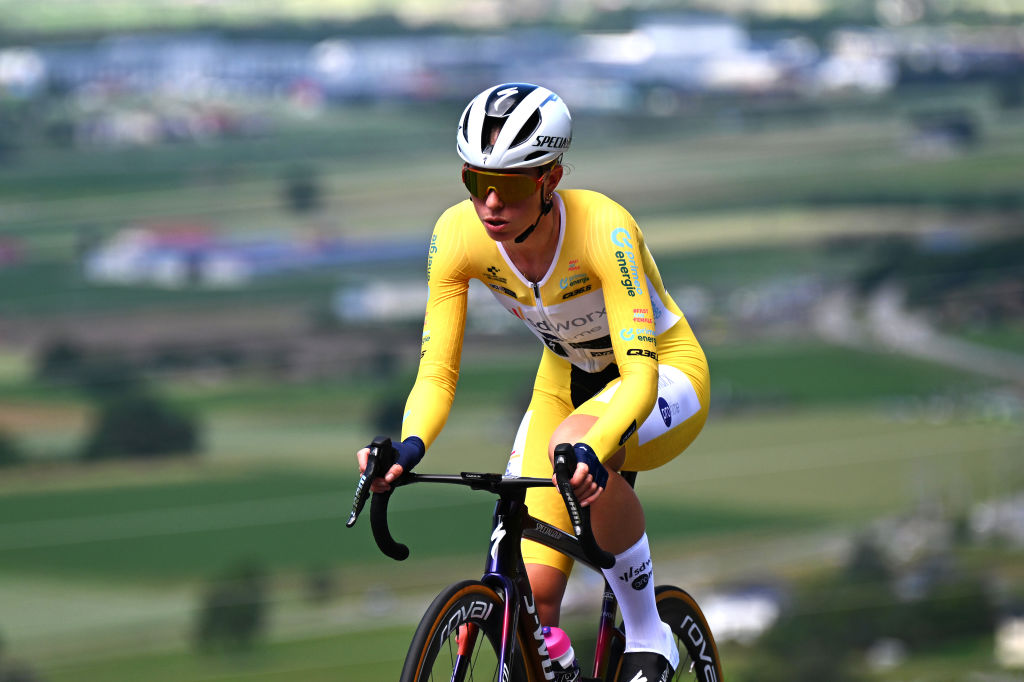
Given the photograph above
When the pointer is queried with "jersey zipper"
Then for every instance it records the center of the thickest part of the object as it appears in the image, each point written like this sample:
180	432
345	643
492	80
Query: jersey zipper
552	329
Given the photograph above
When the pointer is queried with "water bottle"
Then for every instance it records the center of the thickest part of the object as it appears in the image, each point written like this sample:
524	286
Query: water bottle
563	658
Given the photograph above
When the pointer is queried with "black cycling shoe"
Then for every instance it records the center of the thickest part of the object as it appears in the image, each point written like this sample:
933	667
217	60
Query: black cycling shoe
645	666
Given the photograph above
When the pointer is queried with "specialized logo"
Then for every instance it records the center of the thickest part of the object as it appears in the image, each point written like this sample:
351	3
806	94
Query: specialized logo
552	343
666	411
552	141
496	538
502	96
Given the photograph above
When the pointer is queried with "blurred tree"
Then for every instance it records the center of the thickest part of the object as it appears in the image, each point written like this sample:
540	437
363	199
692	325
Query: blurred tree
233	612
60	361
137	424
386	417
302	190
321	584
866	563
10	454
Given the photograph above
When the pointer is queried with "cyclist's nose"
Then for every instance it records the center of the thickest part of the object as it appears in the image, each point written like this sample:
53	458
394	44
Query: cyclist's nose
493	200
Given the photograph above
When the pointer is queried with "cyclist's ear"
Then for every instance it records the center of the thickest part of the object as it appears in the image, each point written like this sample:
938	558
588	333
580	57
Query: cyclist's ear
554	177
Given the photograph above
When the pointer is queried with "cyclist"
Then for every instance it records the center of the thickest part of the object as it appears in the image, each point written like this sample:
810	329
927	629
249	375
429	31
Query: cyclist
621	377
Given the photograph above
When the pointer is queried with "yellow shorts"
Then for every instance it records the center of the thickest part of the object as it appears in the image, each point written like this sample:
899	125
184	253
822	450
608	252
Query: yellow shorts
677	418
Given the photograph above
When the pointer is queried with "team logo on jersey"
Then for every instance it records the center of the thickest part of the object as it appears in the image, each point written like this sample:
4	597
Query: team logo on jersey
666	411
642	316
576	292
638	334
503	290
574	265
492	274
573	281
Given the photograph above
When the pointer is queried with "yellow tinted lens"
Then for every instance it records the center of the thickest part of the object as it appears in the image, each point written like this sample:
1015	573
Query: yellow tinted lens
510	187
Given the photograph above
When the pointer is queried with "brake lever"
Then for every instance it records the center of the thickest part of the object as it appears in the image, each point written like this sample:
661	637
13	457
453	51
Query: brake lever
378	448
565	465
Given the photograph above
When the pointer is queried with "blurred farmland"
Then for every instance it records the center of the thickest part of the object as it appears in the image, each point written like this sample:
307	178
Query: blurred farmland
852	270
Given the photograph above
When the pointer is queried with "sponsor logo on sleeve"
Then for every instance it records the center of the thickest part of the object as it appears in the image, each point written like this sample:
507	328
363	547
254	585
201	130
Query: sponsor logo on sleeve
640	334
642	316
627	433
629	270
430	253
666	411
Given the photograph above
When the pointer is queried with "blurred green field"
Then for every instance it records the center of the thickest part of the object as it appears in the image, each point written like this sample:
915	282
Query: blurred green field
724	510
807	444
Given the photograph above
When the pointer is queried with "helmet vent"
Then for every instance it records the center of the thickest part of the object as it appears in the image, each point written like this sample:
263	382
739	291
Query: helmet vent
526	132
465	126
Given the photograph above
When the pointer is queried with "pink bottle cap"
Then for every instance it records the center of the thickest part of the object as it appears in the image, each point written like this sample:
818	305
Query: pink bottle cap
556	641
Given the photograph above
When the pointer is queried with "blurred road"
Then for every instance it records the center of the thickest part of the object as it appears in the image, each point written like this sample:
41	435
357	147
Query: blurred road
884	320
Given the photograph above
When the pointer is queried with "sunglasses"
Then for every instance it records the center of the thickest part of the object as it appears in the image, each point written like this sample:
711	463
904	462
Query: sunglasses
511	187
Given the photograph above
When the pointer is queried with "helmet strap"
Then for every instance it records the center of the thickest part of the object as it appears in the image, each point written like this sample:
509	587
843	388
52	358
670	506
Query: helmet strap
546	204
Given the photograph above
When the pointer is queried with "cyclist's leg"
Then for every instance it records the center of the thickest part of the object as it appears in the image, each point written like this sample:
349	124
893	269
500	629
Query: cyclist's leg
550	403
617	519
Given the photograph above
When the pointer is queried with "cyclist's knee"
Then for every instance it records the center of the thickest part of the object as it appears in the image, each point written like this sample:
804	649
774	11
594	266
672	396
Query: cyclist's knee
548	586
573	429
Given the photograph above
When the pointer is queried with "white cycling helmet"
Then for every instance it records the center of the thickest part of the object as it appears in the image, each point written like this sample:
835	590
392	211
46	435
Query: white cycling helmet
534	123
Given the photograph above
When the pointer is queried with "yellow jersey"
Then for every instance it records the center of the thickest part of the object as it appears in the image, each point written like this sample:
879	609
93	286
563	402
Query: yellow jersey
602	301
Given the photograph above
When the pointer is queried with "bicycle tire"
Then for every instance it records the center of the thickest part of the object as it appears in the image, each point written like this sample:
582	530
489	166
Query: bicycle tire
434	648
698	653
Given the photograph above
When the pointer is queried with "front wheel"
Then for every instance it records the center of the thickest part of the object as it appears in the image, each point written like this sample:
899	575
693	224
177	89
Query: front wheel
698	655
459	639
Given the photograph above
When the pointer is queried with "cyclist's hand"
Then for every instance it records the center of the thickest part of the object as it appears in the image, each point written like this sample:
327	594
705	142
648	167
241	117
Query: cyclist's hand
583	485
379	485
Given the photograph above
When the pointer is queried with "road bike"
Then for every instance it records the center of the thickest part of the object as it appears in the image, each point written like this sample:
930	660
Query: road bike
488	629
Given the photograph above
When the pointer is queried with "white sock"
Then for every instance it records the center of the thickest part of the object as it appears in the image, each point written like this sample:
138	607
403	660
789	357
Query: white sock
632	581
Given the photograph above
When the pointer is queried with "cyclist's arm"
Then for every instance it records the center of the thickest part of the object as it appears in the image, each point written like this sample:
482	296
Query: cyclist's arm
429	402
613	245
